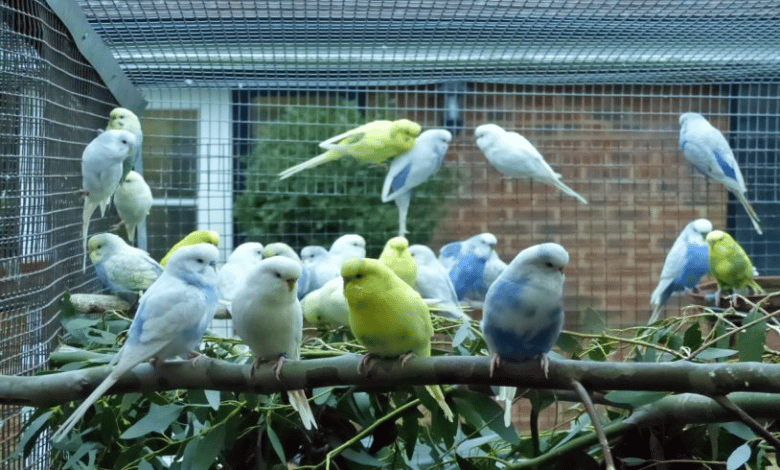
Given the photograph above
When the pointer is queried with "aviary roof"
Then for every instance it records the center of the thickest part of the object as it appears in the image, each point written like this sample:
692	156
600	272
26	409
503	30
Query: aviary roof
325	43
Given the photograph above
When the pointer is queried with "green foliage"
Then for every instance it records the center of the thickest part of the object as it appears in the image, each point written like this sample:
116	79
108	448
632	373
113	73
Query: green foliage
403	428
322	203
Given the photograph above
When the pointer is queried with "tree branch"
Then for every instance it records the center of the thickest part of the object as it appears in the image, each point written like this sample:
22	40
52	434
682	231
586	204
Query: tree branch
681	376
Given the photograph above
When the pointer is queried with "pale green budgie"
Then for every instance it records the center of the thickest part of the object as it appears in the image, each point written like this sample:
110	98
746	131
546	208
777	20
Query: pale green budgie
327	305
396	256
133	200
123	269
370	143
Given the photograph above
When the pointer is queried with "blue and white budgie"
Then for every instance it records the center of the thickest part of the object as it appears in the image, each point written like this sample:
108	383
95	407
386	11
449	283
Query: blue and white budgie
170	321
523	310
348	246
433	282
466	261
411	169
126	120
685	265
101	171
512	154
133	200
123	269
233	273
320	266
267	316
494	266
709	152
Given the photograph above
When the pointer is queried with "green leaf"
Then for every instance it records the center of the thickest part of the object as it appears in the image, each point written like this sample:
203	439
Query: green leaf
472	404
145	465
276	444
692	337
739	429
200	452
464	464
569	344
214	398
711	354
750	342
31	430
633	398
157	420
362	458
464	332
739	457
410	429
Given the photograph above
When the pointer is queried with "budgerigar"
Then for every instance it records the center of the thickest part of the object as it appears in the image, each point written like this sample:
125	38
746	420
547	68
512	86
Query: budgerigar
387	316
411	169
433	282
512	154
347	247
686	263
466	262
327	305
320	266
396	256
170	321
523	311
193	238
494	266
730	265
267	316
709	152
133	200
124	119
123	269
286	251
233	273
370	143
101	171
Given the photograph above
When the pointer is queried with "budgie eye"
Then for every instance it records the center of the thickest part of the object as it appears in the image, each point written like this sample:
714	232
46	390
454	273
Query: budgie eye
549	264
359	276
279	276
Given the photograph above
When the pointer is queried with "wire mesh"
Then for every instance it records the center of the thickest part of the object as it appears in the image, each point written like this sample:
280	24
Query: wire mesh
240	90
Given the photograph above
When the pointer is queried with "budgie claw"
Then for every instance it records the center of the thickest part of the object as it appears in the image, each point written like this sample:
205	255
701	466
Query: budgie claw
545	363
406	357
278	366
365	363
495	361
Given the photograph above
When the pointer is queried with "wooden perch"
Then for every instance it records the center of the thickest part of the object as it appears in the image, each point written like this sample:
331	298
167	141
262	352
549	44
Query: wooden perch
101	303
706	379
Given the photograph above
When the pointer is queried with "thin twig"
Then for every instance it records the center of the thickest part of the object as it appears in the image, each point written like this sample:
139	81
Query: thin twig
729	333
588	403
618	339
723	401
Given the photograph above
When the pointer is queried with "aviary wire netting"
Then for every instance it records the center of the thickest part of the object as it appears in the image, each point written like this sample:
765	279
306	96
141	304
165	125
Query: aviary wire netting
236	91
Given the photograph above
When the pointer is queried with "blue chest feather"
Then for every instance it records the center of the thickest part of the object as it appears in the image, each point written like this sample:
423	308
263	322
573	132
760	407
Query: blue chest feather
467	273
509	345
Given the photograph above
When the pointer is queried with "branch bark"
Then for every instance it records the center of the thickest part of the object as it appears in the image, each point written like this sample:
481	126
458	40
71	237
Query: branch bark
681	376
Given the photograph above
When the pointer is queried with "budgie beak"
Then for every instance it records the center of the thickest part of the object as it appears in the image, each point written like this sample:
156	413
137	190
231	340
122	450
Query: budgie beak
291	284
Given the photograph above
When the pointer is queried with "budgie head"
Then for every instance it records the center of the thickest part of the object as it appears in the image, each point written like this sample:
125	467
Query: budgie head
481	245
486	134
118	143
690	117
422	254
313	253
438	139
403	133
121	118
366	275
278	274
349	246
197	236
246	254
397	244
543	261
196	265
696	232
103	245
280	249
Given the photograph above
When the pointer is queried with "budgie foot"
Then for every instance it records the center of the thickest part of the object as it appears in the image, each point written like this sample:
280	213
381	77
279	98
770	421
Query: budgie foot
82	192
495	361
278	366
365	363
117	227
545	363
405	358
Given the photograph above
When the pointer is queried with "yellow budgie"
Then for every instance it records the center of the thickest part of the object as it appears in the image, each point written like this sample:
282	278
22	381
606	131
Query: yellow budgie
193	238
397	257
387	316
729	264
370	143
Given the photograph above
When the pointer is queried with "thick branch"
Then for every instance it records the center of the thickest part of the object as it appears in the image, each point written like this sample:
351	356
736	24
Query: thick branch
682	376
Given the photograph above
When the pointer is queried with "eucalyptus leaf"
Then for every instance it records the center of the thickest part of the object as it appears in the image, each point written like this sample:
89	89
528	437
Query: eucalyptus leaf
739	457
750	342
716	353
739	429
157	420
